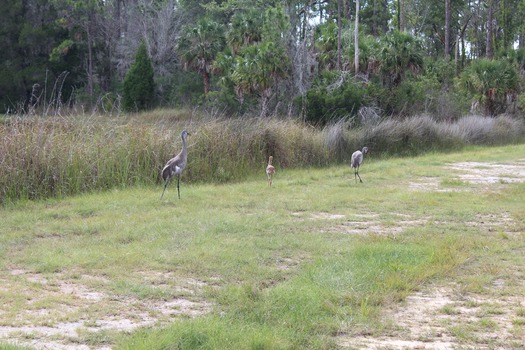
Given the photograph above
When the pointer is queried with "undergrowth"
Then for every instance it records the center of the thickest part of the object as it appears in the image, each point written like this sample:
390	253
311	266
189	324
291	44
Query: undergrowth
59	156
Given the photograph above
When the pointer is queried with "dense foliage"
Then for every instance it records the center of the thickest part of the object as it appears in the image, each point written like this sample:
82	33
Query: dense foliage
261	58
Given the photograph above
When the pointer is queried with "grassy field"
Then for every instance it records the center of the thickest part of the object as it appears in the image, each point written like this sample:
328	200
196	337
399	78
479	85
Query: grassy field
311	263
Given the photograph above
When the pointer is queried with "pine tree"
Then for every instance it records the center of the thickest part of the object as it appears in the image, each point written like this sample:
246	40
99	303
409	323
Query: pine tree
139	87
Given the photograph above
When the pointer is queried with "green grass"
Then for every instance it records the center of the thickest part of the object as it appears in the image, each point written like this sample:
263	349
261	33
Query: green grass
281	266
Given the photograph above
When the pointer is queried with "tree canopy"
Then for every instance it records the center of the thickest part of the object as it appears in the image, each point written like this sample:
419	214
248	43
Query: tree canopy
264	57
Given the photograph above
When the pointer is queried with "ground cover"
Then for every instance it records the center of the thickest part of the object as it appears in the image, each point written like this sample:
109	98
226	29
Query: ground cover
427	253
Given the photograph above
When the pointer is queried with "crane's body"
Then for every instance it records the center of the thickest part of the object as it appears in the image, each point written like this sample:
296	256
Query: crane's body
175	165
270	170
357	160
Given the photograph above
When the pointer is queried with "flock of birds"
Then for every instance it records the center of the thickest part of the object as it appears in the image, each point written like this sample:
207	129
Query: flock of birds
176	165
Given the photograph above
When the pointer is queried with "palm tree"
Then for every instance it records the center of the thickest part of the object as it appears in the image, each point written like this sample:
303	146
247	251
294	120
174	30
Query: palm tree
199	45
257	69
246	29
399	53
326	45
489	82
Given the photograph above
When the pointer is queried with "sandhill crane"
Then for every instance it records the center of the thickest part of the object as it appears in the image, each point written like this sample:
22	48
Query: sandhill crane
175	165
357	159
270	170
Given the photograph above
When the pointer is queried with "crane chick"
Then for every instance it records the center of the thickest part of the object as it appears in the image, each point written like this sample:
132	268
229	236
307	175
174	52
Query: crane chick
357	160
270	170
176	165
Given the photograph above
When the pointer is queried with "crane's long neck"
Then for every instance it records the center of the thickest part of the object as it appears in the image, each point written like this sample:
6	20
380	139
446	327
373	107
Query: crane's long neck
184	151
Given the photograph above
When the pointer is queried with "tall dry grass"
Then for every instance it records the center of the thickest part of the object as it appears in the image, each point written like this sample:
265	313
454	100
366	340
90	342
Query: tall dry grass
57	156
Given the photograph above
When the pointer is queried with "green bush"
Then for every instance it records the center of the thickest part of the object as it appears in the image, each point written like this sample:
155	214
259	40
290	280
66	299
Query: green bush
325	104
139	86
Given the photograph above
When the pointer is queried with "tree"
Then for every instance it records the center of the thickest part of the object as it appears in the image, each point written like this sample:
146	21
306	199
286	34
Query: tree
139	86
199	46
326	45
489	82
399	54
82	18
29	32
257	69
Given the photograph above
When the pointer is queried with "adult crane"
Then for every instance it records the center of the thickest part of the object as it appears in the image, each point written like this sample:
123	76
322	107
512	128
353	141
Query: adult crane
176	165
357	160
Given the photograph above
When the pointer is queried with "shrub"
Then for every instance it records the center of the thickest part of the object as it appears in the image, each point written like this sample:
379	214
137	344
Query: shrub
325	104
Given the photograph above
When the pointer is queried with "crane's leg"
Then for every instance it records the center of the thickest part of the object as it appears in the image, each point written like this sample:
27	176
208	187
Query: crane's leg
270	180
165	184
357	173
178	185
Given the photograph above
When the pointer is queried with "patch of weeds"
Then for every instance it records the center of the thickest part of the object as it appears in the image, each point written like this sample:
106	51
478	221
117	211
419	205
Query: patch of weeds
519	322
487	324
463	333
449	309
490	309
520	312
472	304
7	346
476	283
98	338
455	182
503	235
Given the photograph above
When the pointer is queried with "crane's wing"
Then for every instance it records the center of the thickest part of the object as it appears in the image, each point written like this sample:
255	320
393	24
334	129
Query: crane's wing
171	168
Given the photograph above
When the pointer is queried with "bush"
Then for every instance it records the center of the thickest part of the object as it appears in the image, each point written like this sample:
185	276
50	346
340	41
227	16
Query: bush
324	104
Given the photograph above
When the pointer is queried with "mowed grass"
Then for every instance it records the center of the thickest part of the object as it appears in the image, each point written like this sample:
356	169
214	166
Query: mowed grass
294	266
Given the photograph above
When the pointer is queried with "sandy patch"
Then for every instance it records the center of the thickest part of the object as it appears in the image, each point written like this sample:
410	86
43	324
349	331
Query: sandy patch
474	173
444	318
56	312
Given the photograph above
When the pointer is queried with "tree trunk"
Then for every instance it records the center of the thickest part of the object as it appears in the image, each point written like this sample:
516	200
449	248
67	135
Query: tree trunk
339	34
489	48
401	15
89	60
265	99
447	29
206	79
356	38
456	55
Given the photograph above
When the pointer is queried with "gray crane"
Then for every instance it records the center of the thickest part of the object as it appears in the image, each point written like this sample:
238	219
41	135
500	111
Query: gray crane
176	165
357	160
